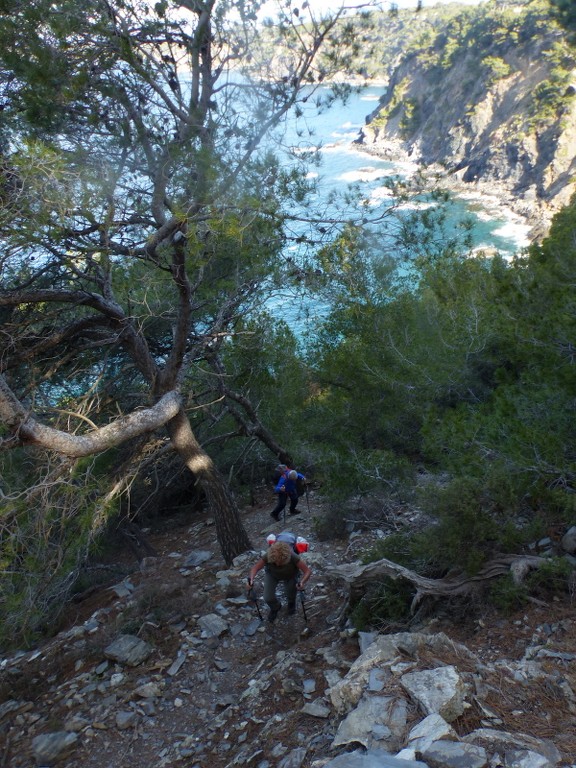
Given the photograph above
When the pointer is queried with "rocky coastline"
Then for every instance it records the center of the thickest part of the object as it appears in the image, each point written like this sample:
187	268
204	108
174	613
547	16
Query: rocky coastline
496	121
494	195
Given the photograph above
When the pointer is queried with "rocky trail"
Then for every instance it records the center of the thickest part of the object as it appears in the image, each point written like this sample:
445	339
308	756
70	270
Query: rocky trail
171	666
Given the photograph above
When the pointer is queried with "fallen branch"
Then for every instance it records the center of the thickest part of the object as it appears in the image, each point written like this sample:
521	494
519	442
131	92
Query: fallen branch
359	576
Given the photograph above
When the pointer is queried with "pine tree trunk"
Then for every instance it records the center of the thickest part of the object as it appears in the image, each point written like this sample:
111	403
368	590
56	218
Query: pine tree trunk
231	534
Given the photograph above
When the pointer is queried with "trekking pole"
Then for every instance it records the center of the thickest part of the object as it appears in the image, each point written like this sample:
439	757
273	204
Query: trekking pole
307	500
253	599
301	594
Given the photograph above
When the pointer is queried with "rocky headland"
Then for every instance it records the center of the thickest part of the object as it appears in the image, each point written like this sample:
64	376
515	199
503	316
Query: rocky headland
497	120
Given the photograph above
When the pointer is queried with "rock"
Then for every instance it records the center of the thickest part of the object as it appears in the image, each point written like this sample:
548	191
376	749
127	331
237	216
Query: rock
431	729
389	653
317	708
123	589
76	723
503	741
526	759
294	759
49	748
148	690
125	720
568	541
375	719
176	664
451	754
212	625
197	557
377	679
253	627
372	758
439	690
8	707
309	685
365	640
129	650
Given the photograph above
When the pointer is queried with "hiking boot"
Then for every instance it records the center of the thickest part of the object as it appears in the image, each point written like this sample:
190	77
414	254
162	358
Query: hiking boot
291	609
274	517
294	511
274	612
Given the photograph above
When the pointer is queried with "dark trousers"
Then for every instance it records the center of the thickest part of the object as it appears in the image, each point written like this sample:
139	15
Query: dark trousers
281	503
270	584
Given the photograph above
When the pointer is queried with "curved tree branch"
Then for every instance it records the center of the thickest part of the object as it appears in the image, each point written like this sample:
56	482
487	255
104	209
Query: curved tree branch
25	430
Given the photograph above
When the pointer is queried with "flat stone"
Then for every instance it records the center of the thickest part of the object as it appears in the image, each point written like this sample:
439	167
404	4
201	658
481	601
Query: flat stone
128	649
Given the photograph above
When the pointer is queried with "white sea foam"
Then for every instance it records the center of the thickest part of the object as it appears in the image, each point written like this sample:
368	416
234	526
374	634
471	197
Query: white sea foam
483	215
485	249
377	196
515	231
364	174
344	136
342	148
406	169
416	205
489	207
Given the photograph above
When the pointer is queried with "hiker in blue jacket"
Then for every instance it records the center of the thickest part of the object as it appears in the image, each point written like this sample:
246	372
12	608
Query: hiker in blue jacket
287	487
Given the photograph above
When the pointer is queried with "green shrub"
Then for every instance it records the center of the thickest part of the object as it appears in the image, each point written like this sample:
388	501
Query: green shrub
468	530
552	578
411	118
45	541
385	603
332	525
496	68
506	595
407	548
548	97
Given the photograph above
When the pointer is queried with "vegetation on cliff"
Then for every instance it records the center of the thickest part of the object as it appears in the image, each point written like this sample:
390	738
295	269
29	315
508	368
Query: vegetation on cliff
490	97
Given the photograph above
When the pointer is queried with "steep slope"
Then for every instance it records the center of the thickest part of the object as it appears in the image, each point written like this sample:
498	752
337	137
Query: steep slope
221	689
490	100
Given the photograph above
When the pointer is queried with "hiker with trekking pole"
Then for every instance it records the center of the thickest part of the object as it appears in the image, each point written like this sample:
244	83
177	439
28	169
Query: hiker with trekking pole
290	485
280	563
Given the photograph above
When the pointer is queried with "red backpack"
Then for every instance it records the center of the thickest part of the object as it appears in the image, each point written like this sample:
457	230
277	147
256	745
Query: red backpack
298	543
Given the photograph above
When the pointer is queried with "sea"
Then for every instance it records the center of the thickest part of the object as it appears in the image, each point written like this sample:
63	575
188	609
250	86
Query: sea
343	164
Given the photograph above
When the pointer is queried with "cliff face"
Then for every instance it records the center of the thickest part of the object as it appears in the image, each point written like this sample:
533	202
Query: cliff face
491	102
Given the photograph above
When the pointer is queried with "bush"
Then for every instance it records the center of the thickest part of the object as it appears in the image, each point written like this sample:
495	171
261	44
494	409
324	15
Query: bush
468	531
554	577
330	526
407	548
506	595
385	603
496	68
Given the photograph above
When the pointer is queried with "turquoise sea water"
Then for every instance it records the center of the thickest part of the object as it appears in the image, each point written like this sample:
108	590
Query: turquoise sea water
343	163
